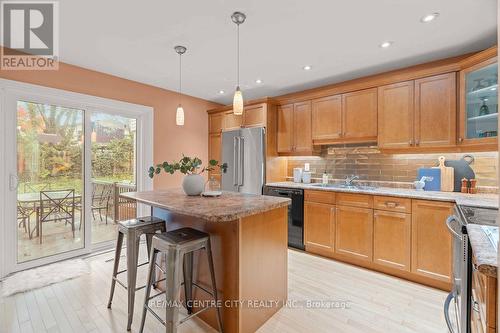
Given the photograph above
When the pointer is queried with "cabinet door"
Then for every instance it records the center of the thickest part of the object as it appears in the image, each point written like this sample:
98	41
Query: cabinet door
391	239
302	127
479	105
354	232
359	113
285	128
232	121
396	115
216	122
319	227
214	149
431	242
435	111
254	116
327	118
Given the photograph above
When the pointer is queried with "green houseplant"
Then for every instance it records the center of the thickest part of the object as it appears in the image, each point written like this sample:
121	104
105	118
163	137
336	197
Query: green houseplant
193	182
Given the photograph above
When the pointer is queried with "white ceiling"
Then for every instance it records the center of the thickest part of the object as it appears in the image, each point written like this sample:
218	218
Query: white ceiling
339	38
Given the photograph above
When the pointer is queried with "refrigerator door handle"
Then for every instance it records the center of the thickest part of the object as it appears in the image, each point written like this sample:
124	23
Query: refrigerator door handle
241	156
235	161
449	298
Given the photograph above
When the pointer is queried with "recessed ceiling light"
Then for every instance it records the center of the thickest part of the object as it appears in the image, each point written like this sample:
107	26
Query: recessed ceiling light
307	67
222	92
258	81
429	17
385	45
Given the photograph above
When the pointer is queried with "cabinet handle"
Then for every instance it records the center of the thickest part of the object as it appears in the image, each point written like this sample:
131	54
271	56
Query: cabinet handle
460	140
417	142
391	204
410	142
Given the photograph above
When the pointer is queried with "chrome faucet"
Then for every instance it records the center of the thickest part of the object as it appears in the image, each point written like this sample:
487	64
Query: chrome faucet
350	179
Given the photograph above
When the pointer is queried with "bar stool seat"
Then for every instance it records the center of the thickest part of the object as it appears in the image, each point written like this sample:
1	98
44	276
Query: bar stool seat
133	229
179	246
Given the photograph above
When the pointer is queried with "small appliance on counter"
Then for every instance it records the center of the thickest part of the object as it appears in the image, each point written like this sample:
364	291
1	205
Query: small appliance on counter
295	213
297	175
306	177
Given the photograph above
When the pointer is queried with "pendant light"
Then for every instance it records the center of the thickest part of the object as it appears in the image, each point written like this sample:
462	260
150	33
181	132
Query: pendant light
179	115
238	18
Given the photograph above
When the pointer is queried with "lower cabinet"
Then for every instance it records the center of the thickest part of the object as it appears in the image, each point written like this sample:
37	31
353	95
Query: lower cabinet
354	232
431	248
392	239
319	227
484	302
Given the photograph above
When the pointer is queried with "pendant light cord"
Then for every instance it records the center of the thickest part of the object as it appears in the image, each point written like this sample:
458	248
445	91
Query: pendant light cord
238	55
180	79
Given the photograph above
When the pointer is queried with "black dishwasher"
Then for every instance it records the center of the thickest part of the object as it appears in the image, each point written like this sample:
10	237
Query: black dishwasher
295	213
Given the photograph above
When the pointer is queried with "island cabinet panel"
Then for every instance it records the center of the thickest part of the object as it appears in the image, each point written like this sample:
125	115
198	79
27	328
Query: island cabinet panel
392	239
254	116
302	127
354	232
327	118
359	114
431	241
436	111
319	227
285	129
396	116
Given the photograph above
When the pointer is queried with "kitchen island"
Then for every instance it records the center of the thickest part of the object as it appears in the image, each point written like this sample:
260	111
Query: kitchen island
249	245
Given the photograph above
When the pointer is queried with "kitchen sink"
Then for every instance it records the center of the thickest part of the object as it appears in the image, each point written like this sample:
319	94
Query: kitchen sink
344	186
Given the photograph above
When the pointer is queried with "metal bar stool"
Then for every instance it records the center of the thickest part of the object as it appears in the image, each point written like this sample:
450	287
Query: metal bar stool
179	246
133	229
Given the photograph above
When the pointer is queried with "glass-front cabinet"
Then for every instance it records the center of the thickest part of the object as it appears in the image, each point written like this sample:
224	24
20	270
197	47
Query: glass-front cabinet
479	104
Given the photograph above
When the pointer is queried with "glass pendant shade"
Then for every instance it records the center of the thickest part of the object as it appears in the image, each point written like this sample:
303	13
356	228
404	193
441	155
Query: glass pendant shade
179	116
238	102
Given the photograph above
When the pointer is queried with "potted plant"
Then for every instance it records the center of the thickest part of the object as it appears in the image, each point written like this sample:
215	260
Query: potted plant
193	183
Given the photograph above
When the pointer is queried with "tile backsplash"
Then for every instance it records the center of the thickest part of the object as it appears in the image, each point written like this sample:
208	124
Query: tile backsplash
372	165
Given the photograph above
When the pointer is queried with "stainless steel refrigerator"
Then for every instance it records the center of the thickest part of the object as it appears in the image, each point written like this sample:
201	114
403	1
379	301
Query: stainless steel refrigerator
244	152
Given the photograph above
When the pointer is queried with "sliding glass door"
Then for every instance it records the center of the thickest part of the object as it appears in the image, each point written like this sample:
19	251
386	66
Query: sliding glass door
68	157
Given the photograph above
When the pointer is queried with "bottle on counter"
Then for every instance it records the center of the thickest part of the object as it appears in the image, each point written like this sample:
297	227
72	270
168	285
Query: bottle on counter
465	186
473	188
324	178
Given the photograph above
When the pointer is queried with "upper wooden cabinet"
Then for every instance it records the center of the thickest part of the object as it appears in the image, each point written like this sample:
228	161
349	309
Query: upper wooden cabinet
436	111
359	113
232	121
478	122
327	118
254	116
294	129
215	122
418	114
431	243
396	111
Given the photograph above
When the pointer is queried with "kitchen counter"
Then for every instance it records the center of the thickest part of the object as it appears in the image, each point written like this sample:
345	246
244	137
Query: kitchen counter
228	207
249	241
480	200
484	253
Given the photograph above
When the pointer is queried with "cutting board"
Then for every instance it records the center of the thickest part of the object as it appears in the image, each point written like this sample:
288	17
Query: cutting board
435	183
447	175
462	170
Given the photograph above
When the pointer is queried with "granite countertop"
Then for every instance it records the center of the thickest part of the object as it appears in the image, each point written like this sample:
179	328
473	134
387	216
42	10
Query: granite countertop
479	200
228	207
485	254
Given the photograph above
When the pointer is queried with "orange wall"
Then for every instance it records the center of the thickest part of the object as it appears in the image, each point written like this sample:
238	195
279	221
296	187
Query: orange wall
170	140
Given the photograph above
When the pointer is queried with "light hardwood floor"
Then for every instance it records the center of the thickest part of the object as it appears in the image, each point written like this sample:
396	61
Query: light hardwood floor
375	303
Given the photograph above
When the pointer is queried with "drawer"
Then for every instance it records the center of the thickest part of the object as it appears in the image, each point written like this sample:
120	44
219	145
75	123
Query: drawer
393	204
355	200
326	197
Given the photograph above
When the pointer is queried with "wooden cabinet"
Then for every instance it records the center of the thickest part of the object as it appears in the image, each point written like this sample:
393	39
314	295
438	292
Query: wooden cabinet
393	204
302	127
359	116
484	302
215	122
294	129
319	227
392	239
478	117
326	118
431	246
232	121
435	111
354	232
285	128
254	116
396	115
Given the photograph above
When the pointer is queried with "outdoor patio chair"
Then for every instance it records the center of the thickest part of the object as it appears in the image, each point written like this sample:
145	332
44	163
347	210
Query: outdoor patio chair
56	205
101	199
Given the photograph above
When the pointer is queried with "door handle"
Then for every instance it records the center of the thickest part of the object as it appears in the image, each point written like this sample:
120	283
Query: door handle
13	182
241	155
449	220
449	298
235	161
